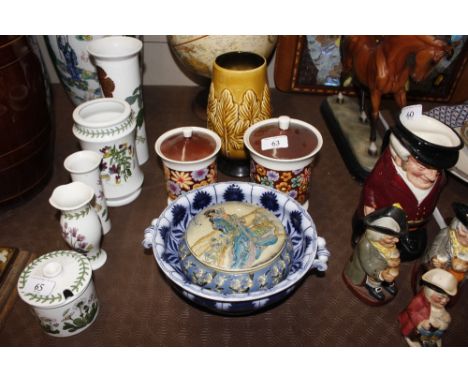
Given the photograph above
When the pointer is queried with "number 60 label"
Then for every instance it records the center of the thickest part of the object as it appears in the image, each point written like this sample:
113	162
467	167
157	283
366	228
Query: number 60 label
412	112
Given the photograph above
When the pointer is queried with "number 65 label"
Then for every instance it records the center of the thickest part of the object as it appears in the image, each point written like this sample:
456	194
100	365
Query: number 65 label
39	286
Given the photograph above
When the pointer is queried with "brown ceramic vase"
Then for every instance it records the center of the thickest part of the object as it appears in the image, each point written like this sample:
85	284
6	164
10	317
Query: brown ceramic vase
27	136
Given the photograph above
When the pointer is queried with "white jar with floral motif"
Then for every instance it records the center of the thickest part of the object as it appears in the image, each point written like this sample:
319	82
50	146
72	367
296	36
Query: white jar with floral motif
107	126
59	288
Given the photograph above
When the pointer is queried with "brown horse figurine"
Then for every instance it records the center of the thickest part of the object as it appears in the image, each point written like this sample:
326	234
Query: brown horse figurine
383	65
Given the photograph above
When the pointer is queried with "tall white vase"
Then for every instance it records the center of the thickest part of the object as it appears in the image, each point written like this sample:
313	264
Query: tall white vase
80	224
83	166
107	126
70	57
117	62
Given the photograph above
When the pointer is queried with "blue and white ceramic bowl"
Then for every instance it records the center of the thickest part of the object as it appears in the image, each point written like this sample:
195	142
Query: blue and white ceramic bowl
166	232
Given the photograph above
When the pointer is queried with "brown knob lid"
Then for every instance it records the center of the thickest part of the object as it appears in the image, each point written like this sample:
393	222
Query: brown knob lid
283	139
188	145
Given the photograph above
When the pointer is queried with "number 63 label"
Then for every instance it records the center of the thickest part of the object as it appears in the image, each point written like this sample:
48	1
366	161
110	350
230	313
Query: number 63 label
281	141
39	286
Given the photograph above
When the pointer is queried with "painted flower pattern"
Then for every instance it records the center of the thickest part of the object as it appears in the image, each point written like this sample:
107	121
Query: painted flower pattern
178	182
233	193
294	183
76	240
117	162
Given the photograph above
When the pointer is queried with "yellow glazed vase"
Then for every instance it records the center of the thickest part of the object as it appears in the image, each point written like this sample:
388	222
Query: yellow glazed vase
239	97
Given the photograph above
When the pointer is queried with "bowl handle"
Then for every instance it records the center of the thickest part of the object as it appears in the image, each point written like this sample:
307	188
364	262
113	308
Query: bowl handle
321	258
149	234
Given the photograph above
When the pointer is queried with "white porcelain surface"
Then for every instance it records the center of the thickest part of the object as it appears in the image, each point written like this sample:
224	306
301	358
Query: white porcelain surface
107	126
83	166
79	222
118	57
59	288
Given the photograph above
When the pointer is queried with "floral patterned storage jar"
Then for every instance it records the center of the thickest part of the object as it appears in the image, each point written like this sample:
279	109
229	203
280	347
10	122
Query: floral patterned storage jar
281	153
107	126
188	155
59	288
235	247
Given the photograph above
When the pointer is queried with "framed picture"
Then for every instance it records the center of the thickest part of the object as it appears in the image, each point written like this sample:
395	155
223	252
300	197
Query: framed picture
312	64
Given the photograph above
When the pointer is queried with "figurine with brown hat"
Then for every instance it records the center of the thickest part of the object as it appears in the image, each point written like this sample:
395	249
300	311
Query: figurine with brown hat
410	172
425	319
374	265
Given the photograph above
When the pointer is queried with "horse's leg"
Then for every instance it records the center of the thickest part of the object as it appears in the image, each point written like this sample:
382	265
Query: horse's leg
400	98
375	103
362	107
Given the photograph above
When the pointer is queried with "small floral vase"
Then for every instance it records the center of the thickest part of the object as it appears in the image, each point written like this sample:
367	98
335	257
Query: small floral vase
107	126
80	224
118	68
83	166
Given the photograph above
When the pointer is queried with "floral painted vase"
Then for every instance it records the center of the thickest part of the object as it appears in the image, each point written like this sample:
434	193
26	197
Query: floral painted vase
73	65
117	60
59	288
107	126
80	225
84	166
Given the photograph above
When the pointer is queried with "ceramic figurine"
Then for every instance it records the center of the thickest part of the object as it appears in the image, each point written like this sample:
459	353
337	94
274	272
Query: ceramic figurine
374	266
410	172
449	250
425	320
384	65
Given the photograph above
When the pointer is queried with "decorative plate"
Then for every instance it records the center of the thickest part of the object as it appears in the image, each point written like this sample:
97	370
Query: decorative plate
167	231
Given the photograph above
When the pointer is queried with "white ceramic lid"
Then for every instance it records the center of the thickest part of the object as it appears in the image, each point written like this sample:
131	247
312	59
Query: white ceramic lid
235	237
54	279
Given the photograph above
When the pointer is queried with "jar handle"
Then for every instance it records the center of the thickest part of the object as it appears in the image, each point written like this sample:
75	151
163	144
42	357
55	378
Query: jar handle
321	258
149	234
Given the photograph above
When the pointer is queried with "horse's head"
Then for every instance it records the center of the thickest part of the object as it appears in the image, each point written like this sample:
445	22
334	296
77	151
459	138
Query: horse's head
433	49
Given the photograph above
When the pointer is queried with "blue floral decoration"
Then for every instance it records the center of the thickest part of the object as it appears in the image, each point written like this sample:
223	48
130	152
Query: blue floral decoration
163	232
296	220
307	242
233	193
201	200
269	200
178	214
